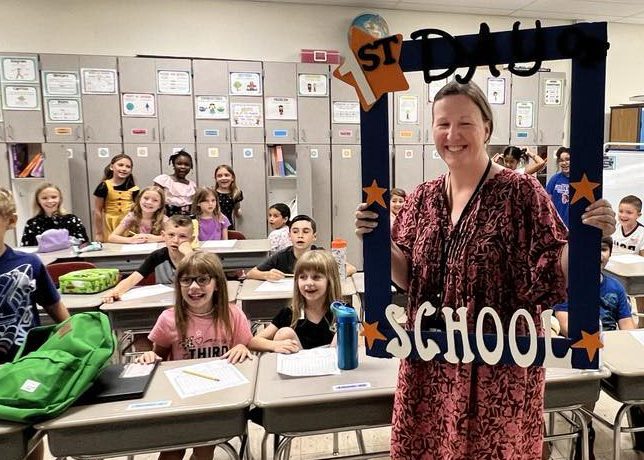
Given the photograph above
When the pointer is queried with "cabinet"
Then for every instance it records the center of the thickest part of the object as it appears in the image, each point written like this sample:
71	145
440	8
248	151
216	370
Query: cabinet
249	163
21	98
626	123
280	103
100	98
313	92
246	104
137	81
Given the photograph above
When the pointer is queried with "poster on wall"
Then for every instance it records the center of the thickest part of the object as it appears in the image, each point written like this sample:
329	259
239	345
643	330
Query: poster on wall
211	108
16	97
138	105
434	87
496	90
407	109
19	69
173	82
280	108
524	114
312	85
553	92
60	84
346	112
245	84
63	111
243	115
99	81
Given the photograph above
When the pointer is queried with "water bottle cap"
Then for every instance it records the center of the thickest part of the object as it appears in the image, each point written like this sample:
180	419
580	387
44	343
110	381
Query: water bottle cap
338	244
344	313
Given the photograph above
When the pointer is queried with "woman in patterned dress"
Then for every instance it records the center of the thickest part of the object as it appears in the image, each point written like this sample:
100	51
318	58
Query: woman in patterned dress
477	236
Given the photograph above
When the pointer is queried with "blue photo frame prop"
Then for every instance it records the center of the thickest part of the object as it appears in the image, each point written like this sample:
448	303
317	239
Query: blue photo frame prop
585	44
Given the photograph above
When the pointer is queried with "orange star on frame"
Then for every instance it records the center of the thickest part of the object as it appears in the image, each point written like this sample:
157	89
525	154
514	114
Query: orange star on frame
584	189
590	342
371	333
375	194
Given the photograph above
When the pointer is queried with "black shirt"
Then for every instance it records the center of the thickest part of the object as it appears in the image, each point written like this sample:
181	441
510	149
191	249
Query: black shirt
37	225
101	190
311	335
227	205
160	263
283	260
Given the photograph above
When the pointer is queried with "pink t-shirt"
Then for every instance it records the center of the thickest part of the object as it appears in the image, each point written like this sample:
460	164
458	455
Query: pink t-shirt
143	227
280	239
176	193
203	339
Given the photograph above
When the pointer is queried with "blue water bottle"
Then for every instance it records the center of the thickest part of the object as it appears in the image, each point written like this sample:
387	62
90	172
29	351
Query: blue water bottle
347	335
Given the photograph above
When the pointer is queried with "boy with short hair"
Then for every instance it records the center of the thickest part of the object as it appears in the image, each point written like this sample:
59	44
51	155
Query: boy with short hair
614	308
302	232
629	234
177	234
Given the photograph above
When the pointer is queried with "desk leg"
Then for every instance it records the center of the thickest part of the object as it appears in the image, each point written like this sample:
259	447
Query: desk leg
265	445
336	444
583	424
360	439
617	431
284	449
229	449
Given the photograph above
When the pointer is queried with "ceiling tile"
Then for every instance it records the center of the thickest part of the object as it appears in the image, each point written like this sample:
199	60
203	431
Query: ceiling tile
581	7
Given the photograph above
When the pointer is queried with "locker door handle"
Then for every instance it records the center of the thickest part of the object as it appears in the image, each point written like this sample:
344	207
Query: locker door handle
303	135
420	136
163	134
226	134
154	134
426	136
9	131
235	134
88	132
335	210
295	136
358	135
78	132
541	135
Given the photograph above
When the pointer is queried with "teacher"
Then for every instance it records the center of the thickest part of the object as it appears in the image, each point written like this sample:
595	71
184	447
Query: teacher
480	235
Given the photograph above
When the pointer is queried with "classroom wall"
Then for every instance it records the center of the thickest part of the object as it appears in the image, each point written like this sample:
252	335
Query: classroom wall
253	30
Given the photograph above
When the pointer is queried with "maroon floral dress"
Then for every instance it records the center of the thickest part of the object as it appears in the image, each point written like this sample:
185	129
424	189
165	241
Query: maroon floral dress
506	257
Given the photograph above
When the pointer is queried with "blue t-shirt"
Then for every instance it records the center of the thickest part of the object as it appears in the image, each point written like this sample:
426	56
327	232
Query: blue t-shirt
558	188
613	304
24	282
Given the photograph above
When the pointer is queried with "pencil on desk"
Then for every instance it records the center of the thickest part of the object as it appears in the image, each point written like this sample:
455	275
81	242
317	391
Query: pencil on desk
200	374
131	232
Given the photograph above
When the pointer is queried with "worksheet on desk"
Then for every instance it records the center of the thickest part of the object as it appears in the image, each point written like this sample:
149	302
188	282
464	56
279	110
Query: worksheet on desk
308	363
139	248
283	285
147	291
218	244
207	377
638	334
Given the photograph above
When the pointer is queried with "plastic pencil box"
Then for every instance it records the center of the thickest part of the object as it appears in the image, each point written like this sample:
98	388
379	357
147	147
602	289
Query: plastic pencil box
89	281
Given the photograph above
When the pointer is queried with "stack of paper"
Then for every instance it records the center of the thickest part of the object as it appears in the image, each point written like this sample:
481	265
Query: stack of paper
306	363
283	285
147	291
139	248
218	244
204	378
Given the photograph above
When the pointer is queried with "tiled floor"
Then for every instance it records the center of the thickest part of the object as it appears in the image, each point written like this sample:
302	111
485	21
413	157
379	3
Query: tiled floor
378	440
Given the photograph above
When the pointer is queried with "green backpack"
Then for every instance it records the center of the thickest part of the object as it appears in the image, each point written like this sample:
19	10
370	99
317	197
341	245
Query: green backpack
65	361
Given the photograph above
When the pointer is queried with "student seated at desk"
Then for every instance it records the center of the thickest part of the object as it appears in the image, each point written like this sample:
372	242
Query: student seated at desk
202	325
614	312
303	232
24	282
177	234
144	223
614	308
308	322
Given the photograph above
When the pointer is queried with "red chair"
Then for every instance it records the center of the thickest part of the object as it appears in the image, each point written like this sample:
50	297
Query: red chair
148	280
56	270
235	235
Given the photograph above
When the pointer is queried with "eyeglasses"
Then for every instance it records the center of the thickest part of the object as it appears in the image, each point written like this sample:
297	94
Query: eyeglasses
202	280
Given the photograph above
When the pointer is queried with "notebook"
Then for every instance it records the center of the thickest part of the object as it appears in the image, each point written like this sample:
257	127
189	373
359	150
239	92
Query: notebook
120	382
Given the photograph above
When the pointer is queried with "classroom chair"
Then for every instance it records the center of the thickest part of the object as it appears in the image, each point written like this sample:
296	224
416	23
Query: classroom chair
148	280
235	235
56	270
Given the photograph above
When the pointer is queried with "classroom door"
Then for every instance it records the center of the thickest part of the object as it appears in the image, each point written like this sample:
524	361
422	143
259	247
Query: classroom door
249	163
347	193
100	96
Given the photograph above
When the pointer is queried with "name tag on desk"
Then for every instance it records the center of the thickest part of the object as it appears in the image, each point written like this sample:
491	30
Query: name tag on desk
150	405
351	386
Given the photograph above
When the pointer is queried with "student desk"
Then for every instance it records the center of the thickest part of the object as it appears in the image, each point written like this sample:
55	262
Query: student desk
244	254
75	303
293	407
265	305
17	440
570	390
125	257
115	429
48	257
630	275
622	354
141	314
